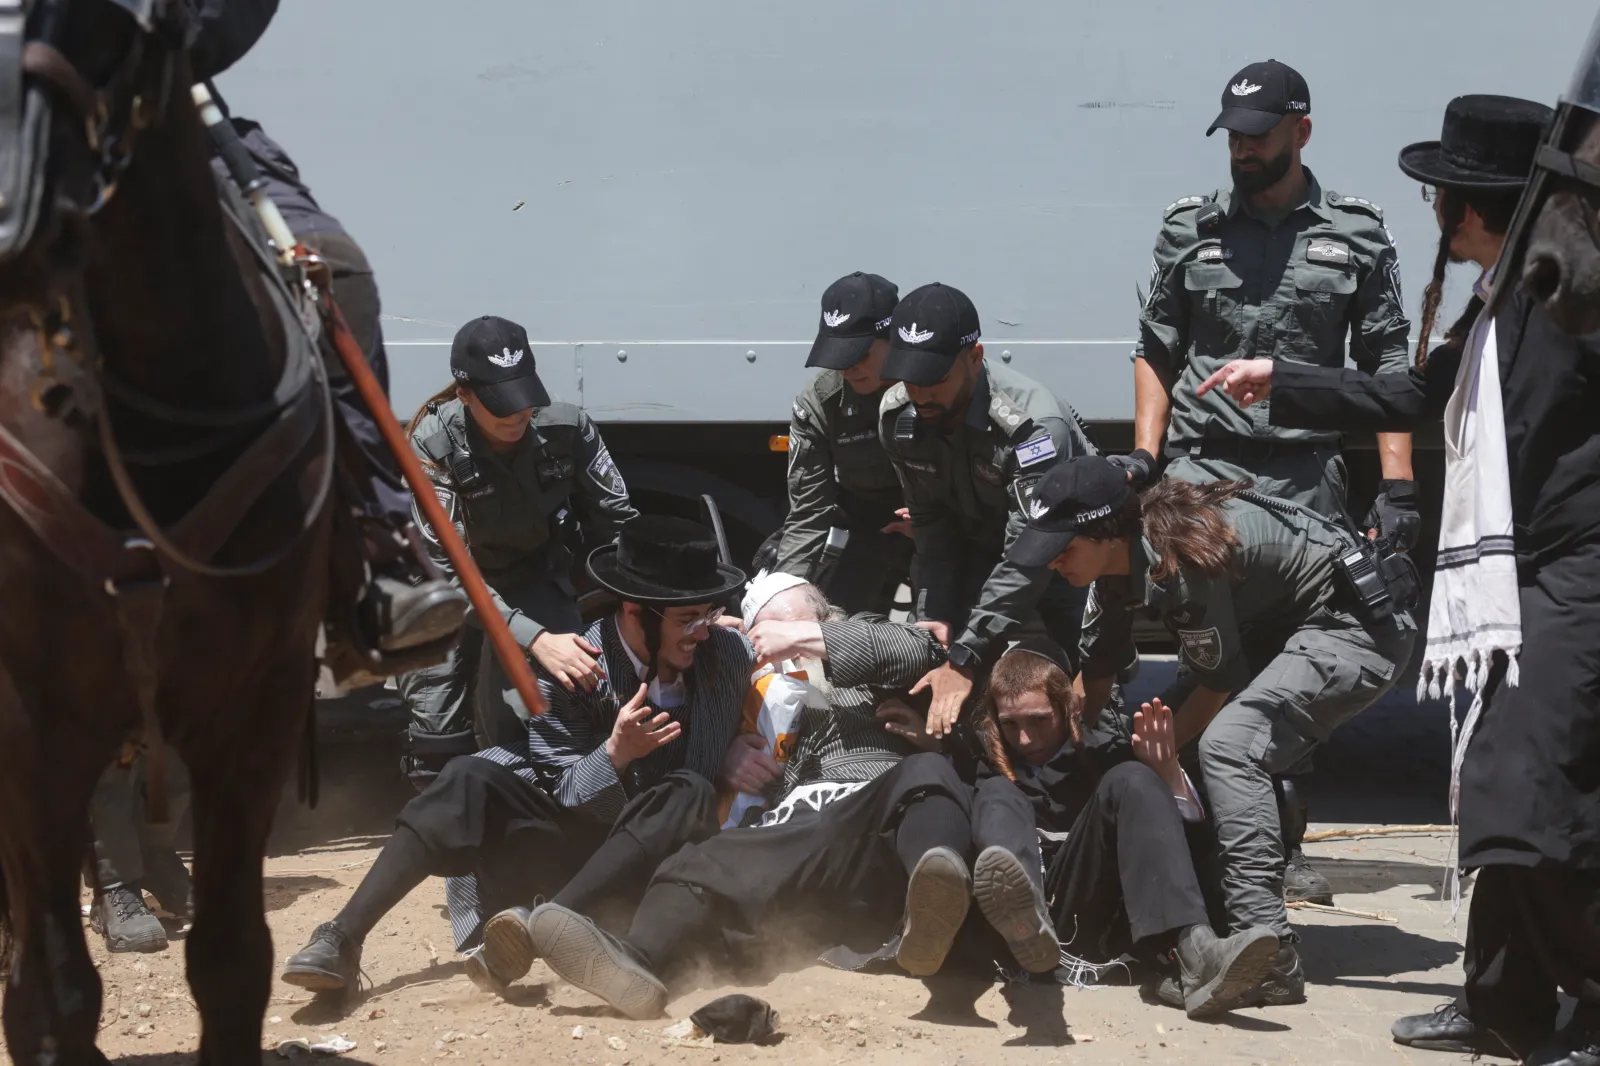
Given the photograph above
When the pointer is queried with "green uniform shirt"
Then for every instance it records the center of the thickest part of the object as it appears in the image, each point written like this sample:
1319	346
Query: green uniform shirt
969	487
507	516
838	472
1282	571
1253	288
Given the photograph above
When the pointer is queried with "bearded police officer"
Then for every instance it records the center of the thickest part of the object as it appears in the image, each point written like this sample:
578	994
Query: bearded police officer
1276	267
969	440
842	533
522	477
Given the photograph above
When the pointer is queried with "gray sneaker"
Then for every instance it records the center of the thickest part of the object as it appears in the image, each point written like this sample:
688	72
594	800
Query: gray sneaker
507	952
1016	908
583	954
120	915
937	897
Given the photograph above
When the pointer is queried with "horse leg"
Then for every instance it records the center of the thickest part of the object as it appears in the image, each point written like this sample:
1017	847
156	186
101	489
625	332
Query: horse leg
52	1000
238	777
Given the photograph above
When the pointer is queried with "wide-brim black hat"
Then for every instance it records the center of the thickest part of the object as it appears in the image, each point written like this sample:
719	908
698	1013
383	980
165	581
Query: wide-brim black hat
1487	143
664	561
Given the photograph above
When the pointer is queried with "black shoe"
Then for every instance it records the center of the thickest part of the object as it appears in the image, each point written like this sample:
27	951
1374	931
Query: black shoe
507	954
1216	974
583	954
403	615
119	914
330	962
1285	983
1016	908
1302	884
937	897
1446	1029
1576	1045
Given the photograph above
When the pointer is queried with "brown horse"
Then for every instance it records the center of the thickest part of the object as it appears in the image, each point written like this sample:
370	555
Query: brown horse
164	458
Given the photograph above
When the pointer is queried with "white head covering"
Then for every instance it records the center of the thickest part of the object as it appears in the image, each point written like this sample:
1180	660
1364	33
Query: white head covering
760	591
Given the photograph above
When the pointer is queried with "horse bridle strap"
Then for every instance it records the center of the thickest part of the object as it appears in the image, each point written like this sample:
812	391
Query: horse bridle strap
1568	165
45	62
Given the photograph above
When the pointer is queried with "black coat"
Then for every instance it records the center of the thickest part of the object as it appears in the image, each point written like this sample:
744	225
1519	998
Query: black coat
1530	788
1060	789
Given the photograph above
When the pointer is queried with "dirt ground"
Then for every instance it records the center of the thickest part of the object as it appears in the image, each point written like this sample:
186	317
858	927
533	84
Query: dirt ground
420	1008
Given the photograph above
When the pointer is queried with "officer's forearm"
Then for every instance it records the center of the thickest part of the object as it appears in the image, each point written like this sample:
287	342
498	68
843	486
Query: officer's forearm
1394	455
1152	407
1196	713
1096	694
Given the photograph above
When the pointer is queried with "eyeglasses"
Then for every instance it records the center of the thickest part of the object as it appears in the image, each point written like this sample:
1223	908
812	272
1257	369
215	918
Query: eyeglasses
702	624
1430	193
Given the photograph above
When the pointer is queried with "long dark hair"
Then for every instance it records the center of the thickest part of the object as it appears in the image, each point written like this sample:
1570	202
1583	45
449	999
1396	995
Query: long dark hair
1184	523
1018	672
1496	209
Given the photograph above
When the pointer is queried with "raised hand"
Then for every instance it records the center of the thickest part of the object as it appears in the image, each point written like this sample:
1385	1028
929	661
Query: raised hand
1154	743
638	731
776	641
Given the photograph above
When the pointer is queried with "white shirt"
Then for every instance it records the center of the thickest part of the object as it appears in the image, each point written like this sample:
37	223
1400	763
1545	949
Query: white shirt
661	697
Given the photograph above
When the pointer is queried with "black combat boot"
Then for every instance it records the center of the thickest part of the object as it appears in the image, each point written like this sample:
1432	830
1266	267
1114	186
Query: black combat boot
330	962
1445	1028
1215	974
1284	984
1300	882
120	915
1576	1045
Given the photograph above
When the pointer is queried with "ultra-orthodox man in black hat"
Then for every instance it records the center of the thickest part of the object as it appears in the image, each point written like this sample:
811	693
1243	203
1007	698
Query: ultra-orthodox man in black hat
606	783
1515	604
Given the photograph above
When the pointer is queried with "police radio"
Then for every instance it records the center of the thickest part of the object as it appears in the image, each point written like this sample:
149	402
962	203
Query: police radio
907	426
463	471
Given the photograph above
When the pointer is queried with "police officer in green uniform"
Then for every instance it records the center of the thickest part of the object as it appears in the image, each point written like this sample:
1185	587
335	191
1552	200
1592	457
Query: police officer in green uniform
1286	628
842	533
969	440
1275	267
519	475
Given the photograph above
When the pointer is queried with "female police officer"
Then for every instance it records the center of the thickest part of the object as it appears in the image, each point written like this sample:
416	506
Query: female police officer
510	467
1285	618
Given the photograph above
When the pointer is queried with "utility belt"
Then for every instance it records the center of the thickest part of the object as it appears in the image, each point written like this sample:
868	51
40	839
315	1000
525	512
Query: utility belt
1375	581
1247	449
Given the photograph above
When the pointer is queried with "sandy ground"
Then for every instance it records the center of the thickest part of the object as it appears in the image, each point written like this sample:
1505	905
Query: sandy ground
420	1008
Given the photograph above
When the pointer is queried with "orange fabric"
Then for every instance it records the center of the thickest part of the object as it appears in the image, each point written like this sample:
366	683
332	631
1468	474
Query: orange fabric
750	722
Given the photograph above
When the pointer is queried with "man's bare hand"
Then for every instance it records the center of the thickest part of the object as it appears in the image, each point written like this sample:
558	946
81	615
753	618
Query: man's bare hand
1155	745
940	631
748	767
907	723
1246	380
638	731
951	685
568	658
732	621
776	641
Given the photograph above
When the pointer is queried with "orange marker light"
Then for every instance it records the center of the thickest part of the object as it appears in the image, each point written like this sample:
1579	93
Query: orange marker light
778	444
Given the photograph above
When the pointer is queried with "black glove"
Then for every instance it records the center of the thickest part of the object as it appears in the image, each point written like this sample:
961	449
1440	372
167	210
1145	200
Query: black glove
1394	513
1139	463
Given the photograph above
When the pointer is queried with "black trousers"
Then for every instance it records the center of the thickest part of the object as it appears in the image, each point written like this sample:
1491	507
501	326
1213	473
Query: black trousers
815	874
1531	930
481	819
1123	880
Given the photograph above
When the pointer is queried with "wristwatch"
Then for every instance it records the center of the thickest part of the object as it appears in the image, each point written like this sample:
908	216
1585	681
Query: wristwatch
964	657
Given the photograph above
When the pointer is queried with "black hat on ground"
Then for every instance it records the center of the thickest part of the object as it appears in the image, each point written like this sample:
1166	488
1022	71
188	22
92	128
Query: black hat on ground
492	356
1487	143
1257	98
856	310
1069	497
932	325
664	561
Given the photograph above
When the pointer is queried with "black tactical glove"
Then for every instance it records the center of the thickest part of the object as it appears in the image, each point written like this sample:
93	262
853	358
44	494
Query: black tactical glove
1140	464
1394	513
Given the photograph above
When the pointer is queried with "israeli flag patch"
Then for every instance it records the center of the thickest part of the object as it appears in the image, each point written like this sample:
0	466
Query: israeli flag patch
1033	452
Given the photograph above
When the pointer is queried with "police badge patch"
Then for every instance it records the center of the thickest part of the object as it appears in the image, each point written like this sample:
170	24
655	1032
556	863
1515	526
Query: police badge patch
1022	490
1202	647
447	500
605	472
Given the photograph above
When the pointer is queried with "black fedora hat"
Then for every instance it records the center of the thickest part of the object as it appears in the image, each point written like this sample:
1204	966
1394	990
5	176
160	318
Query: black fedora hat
1488	142
664	561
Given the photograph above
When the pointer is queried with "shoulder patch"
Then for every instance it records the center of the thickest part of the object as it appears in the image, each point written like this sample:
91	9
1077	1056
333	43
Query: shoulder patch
800	413
447	499
1356	204
1202	647
1188	203
1022	490
603	469
1036	450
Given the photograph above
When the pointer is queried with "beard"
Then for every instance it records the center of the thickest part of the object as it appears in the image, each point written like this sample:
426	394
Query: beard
1262	177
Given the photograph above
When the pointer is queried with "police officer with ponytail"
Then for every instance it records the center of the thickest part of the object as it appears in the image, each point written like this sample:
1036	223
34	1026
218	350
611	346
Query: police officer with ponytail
525	479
